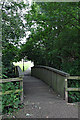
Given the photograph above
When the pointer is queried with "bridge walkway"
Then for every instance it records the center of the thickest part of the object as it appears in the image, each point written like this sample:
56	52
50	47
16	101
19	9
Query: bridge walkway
40	101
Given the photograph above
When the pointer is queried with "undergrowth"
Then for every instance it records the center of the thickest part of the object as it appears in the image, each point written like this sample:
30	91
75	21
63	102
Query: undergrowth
74	96
10	102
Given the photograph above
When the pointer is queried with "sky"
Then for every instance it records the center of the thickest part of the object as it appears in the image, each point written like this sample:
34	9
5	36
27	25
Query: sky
28	32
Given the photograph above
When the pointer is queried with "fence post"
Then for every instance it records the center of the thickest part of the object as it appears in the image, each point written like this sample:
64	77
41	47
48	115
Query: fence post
66	92
21	96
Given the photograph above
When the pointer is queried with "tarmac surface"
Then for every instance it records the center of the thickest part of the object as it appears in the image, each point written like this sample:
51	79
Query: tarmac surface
40	101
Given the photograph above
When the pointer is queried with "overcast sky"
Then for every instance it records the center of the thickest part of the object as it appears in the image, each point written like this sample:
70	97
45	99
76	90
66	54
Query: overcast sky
27	33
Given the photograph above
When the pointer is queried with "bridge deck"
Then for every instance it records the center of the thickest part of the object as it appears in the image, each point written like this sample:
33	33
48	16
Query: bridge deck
40	101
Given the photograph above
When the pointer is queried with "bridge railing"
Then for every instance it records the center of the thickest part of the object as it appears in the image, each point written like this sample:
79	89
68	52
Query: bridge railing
18	71
53	77
56	79
71	89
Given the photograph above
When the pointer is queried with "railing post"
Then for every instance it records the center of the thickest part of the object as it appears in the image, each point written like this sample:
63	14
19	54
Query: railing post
21	86
66	92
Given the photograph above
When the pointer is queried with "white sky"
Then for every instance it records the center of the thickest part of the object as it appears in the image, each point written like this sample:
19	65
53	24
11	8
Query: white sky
25	1
28	32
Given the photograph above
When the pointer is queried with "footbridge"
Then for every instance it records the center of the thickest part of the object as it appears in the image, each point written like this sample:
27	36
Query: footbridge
45	94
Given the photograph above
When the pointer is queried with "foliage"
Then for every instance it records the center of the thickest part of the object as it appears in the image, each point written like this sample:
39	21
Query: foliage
74	96
12	32
10	102
74	83
54	39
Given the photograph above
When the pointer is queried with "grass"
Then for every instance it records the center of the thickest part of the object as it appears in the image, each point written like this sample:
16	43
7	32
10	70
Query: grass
26	65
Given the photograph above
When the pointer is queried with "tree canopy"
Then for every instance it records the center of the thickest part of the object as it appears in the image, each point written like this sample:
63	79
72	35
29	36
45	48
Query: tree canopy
54	34
12	32
54	39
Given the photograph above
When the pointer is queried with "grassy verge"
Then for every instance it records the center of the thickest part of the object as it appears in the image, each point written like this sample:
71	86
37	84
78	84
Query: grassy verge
26	65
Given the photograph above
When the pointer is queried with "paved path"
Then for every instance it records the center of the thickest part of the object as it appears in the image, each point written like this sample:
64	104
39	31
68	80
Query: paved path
27	72
41	102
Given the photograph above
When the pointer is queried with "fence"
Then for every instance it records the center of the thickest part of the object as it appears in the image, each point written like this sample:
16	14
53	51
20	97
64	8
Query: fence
19	79
15	91
69	89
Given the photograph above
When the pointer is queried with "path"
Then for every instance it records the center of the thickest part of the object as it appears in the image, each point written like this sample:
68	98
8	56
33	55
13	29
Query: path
41	102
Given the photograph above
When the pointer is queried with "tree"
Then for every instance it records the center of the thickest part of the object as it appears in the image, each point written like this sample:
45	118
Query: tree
12	32
54	35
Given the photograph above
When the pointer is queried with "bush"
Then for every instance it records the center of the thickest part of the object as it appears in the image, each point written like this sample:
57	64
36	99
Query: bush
10	102
8	71
74	96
